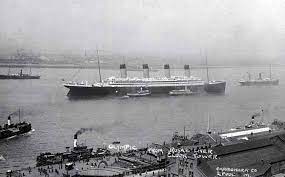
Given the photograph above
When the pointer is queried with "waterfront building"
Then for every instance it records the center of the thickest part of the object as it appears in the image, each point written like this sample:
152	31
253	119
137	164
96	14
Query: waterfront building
262	156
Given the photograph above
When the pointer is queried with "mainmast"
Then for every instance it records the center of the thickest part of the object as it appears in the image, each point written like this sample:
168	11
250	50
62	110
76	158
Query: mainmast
249	77
184	129
262	114
99	66
9	70
270	72
207	69
184	132
208	128
19	115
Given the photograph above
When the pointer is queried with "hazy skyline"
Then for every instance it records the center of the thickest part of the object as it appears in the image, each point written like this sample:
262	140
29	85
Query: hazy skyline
226	30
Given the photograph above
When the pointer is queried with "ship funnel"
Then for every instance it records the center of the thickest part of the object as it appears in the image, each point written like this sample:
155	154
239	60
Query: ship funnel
123	70
145	71
9	120
167	70
186	70
75	141
259	76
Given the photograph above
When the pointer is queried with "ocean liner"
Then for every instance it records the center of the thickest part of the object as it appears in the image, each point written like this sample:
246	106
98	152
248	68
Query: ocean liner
163	85
259	80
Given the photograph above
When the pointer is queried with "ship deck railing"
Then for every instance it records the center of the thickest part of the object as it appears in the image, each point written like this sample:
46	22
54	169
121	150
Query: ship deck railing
135	85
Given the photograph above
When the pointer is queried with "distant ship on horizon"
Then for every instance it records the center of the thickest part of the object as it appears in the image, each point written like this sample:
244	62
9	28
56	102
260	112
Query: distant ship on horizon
259	80
19	75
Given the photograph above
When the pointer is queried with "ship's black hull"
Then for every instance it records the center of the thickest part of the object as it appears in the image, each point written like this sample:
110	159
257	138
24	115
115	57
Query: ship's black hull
104	91
215	87
218	87
15	130
259	82
19	77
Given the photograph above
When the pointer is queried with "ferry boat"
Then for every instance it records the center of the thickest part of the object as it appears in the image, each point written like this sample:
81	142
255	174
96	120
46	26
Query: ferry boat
10	130
155	85
254	127
77	153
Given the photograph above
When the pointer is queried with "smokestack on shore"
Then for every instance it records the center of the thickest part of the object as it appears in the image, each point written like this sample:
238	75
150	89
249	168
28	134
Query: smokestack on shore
123	70
75	141
186	70
9	120
145	71
167	70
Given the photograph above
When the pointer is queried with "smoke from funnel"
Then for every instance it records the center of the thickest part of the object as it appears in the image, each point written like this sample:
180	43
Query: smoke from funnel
102	129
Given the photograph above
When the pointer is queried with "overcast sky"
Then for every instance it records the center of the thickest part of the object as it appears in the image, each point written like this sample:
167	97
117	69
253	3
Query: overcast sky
224	29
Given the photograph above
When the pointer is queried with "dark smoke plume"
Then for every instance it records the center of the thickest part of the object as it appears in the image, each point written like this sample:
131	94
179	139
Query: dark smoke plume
99	129
14	113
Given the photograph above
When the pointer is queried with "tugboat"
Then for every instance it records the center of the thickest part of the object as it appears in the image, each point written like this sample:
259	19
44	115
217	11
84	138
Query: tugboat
124	97
78	152
2	158
139	93
259	80
11	130
81	151
185	91
19	76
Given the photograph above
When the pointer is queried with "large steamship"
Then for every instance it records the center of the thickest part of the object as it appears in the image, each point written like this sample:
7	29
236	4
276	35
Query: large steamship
163	85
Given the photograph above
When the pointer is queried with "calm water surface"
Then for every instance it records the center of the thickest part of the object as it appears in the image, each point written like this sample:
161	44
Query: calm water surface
137	121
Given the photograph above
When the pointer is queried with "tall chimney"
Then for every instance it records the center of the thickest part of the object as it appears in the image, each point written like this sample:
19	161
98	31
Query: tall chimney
167	70
186	70
145	71
9	120
123	70
75	141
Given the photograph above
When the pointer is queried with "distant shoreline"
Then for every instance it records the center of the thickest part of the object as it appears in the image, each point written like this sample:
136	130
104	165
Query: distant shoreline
73	66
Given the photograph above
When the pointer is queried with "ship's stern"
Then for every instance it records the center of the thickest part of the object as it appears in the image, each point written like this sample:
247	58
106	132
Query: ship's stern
215	87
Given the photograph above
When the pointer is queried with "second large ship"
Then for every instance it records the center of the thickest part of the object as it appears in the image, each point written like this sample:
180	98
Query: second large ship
163	85
20	75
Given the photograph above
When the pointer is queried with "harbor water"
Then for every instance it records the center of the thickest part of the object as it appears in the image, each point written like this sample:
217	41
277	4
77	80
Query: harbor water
134	121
